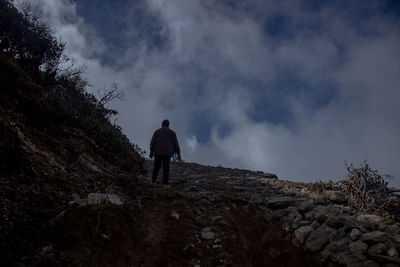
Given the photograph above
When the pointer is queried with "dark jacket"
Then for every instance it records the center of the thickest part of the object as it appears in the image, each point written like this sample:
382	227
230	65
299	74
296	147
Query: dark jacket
164	142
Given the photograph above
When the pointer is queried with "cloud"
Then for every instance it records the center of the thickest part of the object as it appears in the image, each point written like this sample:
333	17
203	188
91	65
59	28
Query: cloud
329	78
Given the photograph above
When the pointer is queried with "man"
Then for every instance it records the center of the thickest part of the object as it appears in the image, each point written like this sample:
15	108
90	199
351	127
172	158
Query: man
163	145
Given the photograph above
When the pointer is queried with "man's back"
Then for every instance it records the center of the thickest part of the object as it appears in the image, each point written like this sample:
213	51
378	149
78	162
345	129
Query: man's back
164	142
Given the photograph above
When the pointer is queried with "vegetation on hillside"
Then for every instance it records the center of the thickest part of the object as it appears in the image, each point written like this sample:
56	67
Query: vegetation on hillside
31	45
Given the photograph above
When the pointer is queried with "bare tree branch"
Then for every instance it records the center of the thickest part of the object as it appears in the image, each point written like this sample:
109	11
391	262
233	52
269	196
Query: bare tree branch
111	94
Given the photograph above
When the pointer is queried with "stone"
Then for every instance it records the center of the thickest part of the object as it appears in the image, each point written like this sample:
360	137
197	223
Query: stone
105	237
206	233
301	234
99	198
337	235
392	229
374	237
305	206
370	263
377	249
96	198
333	252
351	223
392	252
175	215
216	218
319	213
369	218
358	246
335	196
89	163
294	216
352	259
336	221
315	225
281	202
386	259
114	199
75	197
342	242
317	239
355	234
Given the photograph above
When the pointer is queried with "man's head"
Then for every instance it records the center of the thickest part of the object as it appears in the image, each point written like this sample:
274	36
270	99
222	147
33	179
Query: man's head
165	123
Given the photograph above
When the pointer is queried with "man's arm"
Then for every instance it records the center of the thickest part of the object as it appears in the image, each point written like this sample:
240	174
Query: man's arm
152	145
176	147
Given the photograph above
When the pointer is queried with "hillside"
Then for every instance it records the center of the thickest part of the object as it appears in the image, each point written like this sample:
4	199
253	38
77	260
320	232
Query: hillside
74	191
65	200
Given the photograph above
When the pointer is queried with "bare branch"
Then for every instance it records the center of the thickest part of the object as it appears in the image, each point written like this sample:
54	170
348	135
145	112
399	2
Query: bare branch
111	94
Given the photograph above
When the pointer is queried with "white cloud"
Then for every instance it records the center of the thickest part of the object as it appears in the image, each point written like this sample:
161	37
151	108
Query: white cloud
192	143
220	47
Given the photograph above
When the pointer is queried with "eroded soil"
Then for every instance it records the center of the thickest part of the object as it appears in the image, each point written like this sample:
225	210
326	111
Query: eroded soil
146	231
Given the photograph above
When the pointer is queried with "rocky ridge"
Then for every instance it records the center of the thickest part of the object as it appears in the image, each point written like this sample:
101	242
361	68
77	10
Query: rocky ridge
314	219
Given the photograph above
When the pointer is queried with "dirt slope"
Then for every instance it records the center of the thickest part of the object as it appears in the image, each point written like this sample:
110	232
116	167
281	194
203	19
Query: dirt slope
184	226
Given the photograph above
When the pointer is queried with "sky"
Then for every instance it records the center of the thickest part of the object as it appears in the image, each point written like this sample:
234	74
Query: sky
291	87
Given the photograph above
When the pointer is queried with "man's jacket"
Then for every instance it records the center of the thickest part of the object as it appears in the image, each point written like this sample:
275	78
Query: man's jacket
164	142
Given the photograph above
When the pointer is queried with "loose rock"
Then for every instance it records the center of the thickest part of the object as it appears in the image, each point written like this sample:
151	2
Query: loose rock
317	239
355	234
207	234
358	246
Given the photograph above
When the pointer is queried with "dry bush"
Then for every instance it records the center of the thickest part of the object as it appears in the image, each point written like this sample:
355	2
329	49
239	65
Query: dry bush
366	189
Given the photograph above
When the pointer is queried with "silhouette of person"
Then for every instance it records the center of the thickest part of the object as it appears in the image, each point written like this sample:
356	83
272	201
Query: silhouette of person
163	145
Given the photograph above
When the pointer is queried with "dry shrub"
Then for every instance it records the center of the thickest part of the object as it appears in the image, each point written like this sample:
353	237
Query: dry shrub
366	189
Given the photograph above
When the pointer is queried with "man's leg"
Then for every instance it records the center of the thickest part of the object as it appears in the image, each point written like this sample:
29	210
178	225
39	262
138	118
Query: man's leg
166	160
157	167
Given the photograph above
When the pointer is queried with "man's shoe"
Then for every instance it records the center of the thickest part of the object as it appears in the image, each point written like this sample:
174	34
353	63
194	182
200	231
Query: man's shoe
165	186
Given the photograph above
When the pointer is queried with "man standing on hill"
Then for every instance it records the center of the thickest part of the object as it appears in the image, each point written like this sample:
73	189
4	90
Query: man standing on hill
163	145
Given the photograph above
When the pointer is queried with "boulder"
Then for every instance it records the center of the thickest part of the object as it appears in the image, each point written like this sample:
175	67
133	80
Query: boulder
352	259
355	234
114	199
301	234
392	229
342	242
99	198
374	237
377	249
336	221
216	218
305	206
386	259
369	218
281	202
317	239
206	233
370	263
392	252
337	235
315	225
270	176
358	246
294	216
319	213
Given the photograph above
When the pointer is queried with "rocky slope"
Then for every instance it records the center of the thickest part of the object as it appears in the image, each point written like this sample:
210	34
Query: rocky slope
245	218
68	199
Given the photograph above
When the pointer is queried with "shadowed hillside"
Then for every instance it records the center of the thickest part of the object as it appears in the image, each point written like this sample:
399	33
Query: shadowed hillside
75	192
